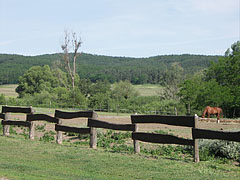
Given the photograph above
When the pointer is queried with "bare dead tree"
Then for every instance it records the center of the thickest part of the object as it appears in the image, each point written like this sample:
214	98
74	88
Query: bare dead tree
71	41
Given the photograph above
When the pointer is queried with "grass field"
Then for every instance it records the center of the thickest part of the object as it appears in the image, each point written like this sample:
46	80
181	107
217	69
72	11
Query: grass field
144	90
148	89
8	90
24	159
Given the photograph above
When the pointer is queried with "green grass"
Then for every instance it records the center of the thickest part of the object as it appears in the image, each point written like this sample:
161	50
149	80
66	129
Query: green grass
145	89
148	89
25	159
8	90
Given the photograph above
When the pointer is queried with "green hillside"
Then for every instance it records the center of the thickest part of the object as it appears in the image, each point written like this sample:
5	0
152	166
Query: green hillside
95	67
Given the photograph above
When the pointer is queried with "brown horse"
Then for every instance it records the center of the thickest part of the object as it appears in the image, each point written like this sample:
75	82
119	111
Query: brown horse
213	110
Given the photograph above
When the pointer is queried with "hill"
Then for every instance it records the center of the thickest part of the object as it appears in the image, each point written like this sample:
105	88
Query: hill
96	67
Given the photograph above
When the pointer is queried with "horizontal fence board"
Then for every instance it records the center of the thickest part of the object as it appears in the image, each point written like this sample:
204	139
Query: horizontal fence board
161	138
106	125
72	129
2	116
187	121
17	123
42	117
210	134
71	115
6	109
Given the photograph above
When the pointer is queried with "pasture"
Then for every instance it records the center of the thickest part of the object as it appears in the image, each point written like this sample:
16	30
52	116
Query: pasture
25	159
144	90
148	89
8	90
42	158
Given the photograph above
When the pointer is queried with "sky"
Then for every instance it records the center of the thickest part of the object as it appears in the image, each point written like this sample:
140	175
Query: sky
132	28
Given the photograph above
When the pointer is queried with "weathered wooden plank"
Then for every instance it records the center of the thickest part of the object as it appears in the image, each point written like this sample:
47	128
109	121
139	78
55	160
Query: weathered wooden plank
42	117
196	146
2	116
136	143
211	134
17	123
70	115
72	129
187	121
93	138
160	138
102	124
6	128
6	109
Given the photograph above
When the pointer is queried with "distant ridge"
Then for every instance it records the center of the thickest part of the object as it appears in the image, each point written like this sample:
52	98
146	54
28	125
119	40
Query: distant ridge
100	67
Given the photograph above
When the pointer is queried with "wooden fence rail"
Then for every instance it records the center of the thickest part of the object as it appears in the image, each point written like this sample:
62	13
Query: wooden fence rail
70	115
161	138
187	121
72	129
6	122
210	134
17	123
106	125
25	110
42	117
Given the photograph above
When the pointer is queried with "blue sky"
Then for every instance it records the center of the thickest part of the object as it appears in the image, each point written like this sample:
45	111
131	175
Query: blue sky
135	28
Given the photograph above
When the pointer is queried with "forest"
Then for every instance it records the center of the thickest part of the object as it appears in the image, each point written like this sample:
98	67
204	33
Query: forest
190	82
113	69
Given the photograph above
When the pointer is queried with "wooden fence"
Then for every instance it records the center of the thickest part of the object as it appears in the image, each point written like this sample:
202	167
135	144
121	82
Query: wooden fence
70	115
93	123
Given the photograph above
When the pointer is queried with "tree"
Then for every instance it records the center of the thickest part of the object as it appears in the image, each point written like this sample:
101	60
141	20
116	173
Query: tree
123	90
226	73
189	91
35	80
70	61
171	80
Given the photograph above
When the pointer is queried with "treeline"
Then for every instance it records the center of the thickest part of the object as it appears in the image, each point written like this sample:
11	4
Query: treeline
112	69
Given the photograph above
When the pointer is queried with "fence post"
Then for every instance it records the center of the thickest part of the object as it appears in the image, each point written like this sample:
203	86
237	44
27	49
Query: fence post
93	134
136	142
196	149
59	133
32	127
6	128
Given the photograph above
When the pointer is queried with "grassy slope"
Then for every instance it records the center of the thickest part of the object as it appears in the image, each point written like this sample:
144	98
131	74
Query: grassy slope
8	90
25	159
148	89
144	90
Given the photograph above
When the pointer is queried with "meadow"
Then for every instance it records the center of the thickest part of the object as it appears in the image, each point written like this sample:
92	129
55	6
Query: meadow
144	89
26	159
8	90
21	158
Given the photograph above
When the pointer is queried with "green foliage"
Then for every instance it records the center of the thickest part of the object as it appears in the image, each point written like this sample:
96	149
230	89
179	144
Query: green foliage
219	148
219	87
172	77
36	80
2	99
123	90
40	128
48	136
112	69
114	141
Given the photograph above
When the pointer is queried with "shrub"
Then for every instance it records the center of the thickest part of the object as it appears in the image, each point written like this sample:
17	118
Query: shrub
219	148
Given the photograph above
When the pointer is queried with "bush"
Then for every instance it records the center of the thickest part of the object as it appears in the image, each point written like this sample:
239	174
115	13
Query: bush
219	148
